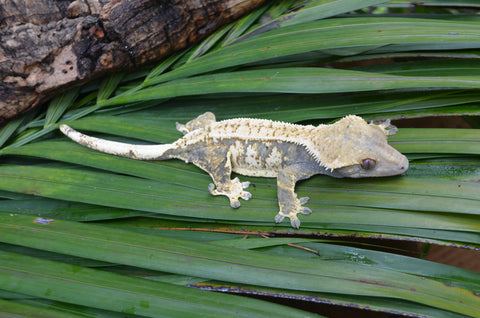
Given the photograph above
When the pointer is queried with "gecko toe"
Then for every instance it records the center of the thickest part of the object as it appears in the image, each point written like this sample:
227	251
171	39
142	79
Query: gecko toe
304	200
246	195
279	217
211	188
295	222
235	204
305	210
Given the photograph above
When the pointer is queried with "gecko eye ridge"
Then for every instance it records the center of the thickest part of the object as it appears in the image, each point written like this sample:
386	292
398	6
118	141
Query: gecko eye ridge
368	164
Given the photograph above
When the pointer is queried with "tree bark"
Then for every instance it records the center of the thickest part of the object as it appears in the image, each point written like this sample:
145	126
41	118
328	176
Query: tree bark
47	46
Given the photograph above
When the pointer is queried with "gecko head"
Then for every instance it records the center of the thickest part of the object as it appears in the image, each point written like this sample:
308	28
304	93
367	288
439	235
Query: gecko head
356	149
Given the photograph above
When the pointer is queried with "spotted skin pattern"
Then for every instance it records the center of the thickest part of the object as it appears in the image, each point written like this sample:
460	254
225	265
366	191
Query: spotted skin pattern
263	148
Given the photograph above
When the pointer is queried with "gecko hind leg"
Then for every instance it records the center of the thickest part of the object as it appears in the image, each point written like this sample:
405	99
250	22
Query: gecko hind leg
290	205
220	170
232	188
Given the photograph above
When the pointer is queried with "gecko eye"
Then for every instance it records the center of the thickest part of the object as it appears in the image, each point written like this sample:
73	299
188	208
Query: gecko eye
368	164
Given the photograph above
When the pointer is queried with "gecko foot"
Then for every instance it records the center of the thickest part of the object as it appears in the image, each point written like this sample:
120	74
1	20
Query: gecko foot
291	211
233	190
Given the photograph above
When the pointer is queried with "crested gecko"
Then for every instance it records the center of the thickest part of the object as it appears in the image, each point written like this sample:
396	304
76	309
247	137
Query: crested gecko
349	147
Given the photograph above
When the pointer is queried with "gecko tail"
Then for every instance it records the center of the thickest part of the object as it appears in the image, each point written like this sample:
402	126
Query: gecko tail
139	152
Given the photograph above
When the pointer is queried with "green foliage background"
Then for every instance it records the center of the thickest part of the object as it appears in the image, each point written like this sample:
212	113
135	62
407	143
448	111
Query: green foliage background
84	234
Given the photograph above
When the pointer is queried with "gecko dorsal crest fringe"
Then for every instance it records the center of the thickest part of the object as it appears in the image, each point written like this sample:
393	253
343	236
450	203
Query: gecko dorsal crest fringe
255	147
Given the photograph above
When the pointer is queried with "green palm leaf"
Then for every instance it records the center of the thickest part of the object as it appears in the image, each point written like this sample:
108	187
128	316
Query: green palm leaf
203	260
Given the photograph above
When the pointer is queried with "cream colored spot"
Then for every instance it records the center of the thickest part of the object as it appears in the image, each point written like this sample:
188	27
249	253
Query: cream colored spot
251	157
243	130
264	131
274	159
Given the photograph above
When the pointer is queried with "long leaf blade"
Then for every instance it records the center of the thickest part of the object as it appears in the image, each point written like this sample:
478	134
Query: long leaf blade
336	36
201	260
99	289
292	80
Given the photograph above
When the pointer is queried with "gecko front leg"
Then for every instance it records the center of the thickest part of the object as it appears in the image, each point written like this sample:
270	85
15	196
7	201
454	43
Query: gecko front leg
288	202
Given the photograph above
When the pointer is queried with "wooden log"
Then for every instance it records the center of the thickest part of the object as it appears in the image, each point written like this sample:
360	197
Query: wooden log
47	46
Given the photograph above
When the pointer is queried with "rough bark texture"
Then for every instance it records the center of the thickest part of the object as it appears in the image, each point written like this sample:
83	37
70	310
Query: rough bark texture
47	46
